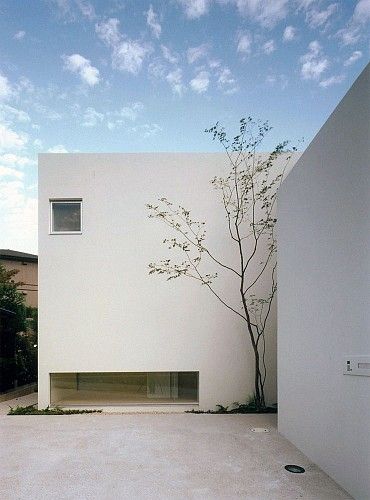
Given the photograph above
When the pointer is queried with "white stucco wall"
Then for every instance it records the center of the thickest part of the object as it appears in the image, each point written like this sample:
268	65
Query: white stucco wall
101	311
324	295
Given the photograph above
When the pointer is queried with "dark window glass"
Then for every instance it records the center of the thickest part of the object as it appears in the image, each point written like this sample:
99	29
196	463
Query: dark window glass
66	216
123	388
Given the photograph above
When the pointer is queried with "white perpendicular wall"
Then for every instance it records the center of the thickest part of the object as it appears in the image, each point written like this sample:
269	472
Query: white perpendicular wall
324	295
100	311
357	365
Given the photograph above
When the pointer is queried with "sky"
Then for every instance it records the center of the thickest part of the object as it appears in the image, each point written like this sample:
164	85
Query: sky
135	75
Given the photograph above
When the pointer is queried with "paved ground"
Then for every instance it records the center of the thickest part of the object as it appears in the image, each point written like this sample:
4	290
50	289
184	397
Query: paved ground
178	456
18	391
30	399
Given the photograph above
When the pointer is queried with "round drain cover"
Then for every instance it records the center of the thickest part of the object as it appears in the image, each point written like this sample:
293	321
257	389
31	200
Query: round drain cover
296	469
259	429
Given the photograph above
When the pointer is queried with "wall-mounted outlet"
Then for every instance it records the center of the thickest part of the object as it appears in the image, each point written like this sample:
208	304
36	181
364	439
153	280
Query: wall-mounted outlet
357	365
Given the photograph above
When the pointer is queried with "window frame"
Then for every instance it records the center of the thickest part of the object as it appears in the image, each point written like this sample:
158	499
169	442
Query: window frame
56	201
149	402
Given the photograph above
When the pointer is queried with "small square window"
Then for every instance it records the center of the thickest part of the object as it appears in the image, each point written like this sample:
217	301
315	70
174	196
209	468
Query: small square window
65	216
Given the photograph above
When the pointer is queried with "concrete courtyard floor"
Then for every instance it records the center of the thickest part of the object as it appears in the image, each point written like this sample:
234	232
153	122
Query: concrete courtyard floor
29	399
169	456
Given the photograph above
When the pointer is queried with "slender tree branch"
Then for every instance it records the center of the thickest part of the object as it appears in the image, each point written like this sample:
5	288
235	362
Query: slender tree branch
213	291
248	195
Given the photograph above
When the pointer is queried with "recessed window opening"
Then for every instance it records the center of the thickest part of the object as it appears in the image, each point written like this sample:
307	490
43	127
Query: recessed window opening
65	216
123	388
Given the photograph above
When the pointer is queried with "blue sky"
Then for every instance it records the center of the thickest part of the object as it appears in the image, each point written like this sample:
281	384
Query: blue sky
132	75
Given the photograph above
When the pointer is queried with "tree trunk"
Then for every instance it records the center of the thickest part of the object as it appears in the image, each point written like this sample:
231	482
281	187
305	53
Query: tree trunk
259	396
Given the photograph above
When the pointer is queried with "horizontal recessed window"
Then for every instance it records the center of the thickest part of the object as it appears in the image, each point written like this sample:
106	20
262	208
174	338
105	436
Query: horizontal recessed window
65	216
134	388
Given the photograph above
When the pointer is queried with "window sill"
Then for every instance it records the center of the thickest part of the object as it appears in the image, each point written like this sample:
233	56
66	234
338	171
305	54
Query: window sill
114	404
65	232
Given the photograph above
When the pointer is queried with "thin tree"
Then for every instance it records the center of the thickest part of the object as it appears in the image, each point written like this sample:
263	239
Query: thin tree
248	194
11	298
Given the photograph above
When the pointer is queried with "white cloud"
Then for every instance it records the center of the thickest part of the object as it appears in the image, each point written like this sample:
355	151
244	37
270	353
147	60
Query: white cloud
59	148
9	139
153	23
314	63
147	129
70	10
10	114
50	114
87	9
82	66
10	172
170	56
265	12
108	31
352	33
280	80
132	111
304	4
269	47
91	117
122	116
289	34
172	74
26	84
244	43
214	63
5	87
16	160
19	35
315	47
349	35
62	7
157	69
196	53
127	55
226	82
317	18
356	55
174	79
333	80
361	13
195	8
18	222
113	119
201	82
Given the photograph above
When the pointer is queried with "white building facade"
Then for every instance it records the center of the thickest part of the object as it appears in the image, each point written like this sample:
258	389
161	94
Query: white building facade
112	336
324	296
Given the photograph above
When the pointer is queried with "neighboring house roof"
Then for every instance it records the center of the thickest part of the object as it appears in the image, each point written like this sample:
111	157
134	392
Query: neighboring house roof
6	254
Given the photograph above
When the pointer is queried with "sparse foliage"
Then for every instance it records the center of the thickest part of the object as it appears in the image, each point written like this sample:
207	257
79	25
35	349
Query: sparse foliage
32	410
248	194
11	298
24	324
